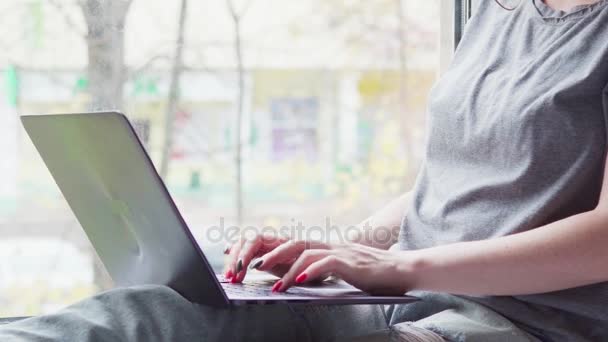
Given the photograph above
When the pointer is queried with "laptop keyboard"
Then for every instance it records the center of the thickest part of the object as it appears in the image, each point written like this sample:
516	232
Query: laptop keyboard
248	290
258	288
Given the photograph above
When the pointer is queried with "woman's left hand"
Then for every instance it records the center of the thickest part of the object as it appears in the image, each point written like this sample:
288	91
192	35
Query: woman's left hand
372	270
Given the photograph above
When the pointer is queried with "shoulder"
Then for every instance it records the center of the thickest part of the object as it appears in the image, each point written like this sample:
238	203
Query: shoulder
481	7
486	14
486	22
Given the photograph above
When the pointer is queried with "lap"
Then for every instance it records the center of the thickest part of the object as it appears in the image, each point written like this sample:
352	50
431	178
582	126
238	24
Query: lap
156	313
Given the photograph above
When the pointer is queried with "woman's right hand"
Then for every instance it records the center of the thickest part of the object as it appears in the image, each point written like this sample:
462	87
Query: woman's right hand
242	252
248	253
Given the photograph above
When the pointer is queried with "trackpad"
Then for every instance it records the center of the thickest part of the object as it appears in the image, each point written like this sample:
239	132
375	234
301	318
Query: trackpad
331	288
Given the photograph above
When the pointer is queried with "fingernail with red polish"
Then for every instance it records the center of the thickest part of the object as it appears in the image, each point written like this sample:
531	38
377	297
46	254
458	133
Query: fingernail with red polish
277	286
301	278
229	274
233	280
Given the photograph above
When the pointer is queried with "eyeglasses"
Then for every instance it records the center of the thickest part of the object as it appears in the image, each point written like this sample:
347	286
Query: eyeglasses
509	5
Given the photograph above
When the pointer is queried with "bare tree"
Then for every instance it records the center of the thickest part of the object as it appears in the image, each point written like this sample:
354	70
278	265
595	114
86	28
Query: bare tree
237	18
105	20
173	91
105	38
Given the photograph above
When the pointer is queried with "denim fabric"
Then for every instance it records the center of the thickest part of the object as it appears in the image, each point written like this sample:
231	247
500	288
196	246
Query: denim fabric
157	313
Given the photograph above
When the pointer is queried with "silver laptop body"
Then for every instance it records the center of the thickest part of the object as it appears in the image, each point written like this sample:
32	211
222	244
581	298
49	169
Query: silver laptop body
122	204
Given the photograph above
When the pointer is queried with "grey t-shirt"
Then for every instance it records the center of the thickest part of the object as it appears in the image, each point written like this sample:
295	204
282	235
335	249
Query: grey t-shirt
516	140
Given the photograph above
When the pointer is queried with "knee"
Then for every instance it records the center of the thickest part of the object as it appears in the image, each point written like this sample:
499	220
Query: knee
155	291
150	312
144	296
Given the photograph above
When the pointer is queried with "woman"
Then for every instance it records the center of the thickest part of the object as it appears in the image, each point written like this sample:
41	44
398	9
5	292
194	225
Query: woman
509	214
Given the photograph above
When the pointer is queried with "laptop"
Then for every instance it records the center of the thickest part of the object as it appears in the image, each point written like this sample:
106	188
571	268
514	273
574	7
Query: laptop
124	207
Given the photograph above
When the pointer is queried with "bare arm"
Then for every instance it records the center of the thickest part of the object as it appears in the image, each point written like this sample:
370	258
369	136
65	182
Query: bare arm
568	253
565	254
381	230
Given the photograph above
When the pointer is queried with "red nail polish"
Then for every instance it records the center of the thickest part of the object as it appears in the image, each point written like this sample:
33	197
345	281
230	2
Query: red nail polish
233	280
301	278
229	274
277	286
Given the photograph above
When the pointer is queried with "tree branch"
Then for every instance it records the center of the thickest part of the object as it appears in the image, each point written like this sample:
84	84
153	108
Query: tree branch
67	19
173	99
146	65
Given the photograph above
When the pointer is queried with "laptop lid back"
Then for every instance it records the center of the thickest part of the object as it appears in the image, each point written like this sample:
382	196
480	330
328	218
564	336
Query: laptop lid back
122	204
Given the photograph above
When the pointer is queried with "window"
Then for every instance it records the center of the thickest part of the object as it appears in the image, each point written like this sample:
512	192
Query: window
330	97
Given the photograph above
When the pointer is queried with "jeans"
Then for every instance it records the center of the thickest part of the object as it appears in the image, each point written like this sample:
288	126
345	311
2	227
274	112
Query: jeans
157	313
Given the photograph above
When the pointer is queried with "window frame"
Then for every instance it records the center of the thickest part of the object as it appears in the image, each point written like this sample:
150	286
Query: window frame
462	13
453	19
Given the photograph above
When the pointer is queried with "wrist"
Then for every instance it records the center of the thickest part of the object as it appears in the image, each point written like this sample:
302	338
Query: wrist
413	268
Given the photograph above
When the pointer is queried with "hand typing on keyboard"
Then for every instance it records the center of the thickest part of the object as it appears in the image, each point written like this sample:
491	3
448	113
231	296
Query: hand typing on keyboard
370	269
247	254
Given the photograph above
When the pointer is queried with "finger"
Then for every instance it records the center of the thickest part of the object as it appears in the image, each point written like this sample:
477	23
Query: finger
283	254
232	259
288	252
321	268
227	269
227	248
279	270
248	251
306	258
271	241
